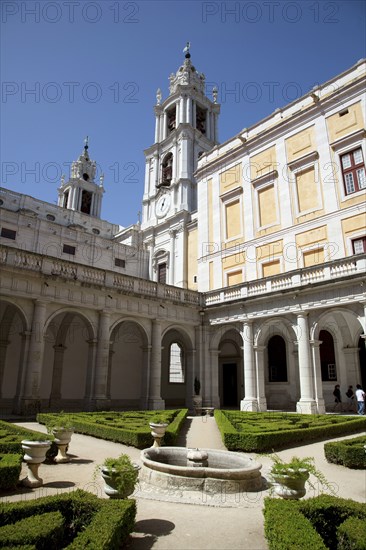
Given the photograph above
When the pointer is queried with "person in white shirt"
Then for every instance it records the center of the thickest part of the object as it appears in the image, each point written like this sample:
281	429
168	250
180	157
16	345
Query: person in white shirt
360	396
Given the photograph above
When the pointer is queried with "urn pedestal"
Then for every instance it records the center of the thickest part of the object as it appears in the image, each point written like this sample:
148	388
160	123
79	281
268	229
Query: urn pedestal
62	440
35	454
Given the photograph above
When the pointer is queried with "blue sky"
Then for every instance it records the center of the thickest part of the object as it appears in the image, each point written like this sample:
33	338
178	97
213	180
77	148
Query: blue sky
95	67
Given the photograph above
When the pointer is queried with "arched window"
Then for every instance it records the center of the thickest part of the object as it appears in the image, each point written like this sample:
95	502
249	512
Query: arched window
327	356
176	363
167	170
277	361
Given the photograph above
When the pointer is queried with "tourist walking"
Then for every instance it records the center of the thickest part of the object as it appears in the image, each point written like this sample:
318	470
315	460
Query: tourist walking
360	396
350	398
337	395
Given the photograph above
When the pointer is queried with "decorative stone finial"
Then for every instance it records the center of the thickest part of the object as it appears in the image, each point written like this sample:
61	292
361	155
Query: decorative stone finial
158	96
186	50
214	94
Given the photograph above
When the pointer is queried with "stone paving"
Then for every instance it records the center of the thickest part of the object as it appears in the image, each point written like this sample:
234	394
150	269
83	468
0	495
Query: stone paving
174	525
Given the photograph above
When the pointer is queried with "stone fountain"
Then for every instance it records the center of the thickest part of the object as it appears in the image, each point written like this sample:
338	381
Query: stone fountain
202	476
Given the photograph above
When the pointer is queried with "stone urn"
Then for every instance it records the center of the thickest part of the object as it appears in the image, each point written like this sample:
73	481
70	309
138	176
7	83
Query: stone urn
158	432
112	482
197	404
290	487
62	440
35	454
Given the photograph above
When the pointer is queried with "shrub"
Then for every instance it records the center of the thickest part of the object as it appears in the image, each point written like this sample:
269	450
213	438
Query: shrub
351	535
129	428
285	527
44	531
10	468
326	513
259	432
89	522
348	452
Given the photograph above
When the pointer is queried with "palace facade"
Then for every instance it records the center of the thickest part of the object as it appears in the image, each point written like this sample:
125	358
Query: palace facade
247	270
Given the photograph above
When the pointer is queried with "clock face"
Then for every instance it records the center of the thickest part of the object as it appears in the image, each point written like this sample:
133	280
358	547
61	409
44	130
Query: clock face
162	205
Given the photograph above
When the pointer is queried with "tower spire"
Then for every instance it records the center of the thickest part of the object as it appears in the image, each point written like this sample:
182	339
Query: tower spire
186	50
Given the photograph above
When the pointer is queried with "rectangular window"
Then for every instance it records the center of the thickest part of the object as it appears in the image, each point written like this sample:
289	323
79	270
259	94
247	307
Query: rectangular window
119	262
359	245
162	273
68	249
8	233
332	373
353	170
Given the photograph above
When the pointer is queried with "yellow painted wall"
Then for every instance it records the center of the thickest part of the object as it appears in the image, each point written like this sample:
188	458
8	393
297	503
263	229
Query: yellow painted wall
192	255
211	275
269	250
210	210
339	126
267	206
352	225
307	190
301	144
313	257
263	163
230	179
271	268
232	220
308	238
234	278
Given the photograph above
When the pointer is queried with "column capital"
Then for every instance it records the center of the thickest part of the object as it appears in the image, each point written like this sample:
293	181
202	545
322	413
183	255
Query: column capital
315	343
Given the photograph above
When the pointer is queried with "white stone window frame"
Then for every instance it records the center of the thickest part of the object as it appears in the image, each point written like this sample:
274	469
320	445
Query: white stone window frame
183	365
234	270
318	246
160	257
259	184
269	260
350	238
342	146
227	199
311	160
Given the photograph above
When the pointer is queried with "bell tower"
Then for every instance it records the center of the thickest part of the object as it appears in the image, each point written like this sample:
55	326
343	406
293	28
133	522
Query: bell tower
81	193
186	125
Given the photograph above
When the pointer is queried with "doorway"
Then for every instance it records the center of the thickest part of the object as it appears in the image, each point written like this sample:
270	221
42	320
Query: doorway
230	384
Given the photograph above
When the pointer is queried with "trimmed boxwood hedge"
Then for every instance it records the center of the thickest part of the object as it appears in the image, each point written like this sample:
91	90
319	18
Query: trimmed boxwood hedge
352	534
89	522
327	513
317	523
260	432
286	527
12	435
348	452
10	468
129	428
44	531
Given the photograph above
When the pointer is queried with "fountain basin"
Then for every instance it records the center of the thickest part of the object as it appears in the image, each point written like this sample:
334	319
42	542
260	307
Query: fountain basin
176	468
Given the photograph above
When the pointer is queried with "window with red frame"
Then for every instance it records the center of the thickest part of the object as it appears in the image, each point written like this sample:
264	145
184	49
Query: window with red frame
353	170
359	245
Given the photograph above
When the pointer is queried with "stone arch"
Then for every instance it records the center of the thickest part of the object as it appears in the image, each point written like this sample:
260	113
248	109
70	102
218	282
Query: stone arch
167	170
69	356
280	395
128	365
14	339
176	393
230	367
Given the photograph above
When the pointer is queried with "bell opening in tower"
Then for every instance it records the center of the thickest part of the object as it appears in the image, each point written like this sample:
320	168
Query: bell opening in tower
86	199
171	119
201	119
66	198
167	170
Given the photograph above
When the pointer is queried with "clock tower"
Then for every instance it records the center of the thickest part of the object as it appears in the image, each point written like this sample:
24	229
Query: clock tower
186	125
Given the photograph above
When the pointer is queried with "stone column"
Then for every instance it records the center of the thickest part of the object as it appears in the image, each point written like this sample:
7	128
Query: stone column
165	125
4	342
212	381
171	273
250	402
57	371
35	355
306	404
109	376
208	126
261	387
189	110
102	359
145	378
318	384
155	400
90	373
190	369
19	392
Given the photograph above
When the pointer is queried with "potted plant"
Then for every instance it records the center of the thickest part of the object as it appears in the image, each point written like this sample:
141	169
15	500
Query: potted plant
120	476
290	477
158	425
61	427
197	399
34	455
